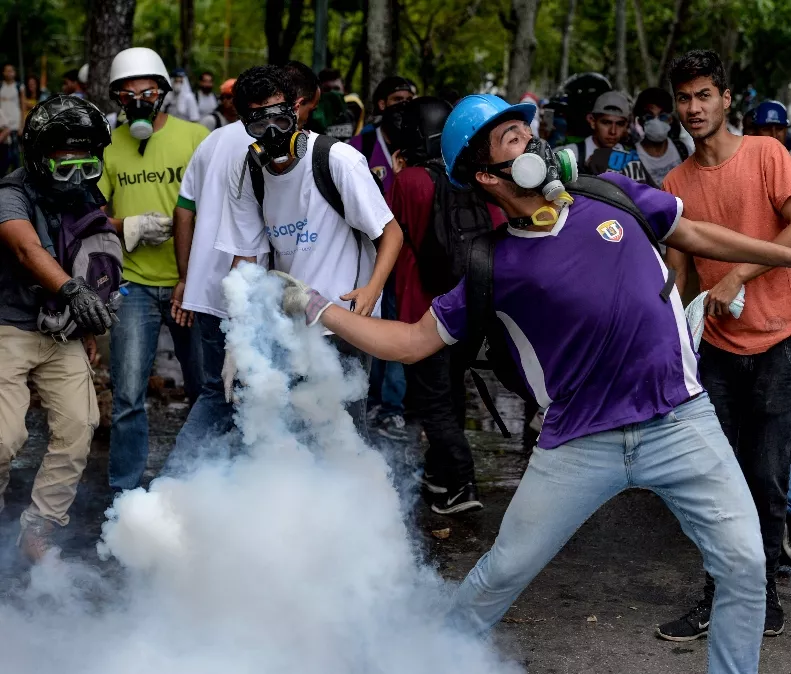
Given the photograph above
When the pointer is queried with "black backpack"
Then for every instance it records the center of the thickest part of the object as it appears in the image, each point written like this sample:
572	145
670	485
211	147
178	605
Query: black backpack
458	216
485	330
324	183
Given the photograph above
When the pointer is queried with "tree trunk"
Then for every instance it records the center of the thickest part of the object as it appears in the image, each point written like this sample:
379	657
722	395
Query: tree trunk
380	43
111	32
187	33
522	47
648	66
679	14
568	29
620	46
280	41
320	35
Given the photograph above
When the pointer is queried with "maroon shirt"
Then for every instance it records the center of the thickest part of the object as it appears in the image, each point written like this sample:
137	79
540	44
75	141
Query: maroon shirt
411	199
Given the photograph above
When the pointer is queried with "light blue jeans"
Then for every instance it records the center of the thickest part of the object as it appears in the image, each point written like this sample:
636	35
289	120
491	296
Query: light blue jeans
685	458
133	348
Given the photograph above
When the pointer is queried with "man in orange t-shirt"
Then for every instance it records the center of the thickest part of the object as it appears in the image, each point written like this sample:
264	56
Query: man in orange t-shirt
743	183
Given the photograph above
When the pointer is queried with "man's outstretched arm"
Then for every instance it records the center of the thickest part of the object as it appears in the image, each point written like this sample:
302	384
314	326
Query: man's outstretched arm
715	242
386	340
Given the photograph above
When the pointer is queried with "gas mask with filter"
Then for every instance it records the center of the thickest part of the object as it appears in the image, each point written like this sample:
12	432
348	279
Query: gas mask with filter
277	137
541	169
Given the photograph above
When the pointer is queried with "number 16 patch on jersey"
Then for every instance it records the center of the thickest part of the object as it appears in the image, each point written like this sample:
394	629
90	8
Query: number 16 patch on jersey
611	231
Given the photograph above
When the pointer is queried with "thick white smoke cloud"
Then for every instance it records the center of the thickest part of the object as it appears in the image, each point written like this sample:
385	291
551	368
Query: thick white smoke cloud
291	558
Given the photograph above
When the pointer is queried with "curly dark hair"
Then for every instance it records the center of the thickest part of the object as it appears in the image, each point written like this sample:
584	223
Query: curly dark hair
259	83
698	63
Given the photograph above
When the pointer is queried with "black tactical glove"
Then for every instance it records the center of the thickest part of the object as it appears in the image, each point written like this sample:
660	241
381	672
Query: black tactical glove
86	307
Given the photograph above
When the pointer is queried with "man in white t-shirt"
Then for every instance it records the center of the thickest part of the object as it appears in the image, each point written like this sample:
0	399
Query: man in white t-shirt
198	295
207	101
298	228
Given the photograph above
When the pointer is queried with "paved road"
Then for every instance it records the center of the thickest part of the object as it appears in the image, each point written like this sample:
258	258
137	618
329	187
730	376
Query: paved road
629	566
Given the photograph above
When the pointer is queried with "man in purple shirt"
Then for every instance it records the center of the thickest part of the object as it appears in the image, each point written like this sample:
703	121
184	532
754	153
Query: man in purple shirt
610	359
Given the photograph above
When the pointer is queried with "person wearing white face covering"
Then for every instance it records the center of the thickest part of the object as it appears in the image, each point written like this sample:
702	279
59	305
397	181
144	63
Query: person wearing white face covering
181	101
657	151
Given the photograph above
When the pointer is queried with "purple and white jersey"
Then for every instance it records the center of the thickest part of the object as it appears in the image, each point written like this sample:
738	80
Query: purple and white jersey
594	341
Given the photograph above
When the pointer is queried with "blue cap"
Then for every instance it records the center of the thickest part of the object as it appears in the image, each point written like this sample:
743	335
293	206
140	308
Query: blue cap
470	115
771	112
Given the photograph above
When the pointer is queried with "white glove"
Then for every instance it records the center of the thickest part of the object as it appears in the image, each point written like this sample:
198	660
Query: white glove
300	298
228	375
149	229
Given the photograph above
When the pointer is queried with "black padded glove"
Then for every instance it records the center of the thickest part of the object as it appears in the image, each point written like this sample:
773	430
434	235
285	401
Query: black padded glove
86	307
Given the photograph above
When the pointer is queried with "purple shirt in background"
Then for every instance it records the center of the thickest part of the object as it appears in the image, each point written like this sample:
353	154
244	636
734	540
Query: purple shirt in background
593	340
380	162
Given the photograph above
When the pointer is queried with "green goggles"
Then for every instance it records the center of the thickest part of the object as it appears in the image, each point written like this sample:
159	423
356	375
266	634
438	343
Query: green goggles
64	169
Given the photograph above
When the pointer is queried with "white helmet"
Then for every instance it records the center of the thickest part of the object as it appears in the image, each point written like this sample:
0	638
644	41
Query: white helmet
138	62
82	76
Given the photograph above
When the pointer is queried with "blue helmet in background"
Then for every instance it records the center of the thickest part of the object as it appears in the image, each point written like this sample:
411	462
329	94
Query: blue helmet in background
471	114
771	113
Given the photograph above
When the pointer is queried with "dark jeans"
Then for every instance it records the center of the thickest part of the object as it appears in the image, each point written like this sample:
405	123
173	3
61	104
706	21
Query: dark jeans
133	348
210	416
436	389
357	409
752	398
388	383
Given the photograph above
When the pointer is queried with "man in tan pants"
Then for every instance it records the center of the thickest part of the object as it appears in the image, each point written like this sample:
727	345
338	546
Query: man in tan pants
43	310
62	376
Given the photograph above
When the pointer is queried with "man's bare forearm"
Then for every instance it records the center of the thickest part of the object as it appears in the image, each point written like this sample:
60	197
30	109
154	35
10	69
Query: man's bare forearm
183	231
708	240
386	340
386	255
21	239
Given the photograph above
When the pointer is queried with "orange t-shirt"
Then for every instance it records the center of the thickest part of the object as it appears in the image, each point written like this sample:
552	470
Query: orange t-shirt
745	194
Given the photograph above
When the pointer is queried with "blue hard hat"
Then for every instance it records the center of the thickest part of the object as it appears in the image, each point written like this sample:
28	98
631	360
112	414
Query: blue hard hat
771	112
470	115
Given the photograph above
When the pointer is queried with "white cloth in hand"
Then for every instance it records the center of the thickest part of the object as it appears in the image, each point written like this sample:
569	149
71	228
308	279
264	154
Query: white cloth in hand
149	229
696	314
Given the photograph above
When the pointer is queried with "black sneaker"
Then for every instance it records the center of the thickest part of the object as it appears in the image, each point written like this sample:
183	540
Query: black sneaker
775	621
464	500
430	483
692	626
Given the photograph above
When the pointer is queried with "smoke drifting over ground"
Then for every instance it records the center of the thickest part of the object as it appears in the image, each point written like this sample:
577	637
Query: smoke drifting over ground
290	558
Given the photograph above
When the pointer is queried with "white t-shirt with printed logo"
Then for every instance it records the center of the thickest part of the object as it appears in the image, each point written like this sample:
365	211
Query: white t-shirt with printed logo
308	238
206	183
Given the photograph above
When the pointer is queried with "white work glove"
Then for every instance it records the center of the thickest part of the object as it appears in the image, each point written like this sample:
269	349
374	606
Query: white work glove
228	375
300	298
149	229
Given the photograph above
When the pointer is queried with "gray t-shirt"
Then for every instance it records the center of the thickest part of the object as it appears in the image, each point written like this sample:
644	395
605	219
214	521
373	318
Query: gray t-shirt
19	304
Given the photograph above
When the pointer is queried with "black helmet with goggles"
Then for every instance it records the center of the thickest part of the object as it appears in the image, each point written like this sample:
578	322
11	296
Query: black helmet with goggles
64	140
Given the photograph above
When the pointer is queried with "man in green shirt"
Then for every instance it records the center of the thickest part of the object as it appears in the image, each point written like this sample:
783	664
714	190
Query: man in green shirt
144	167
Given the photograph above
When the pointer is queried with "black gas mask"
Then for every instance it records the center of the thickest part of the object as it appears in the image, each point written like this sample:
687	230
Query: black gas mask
277	137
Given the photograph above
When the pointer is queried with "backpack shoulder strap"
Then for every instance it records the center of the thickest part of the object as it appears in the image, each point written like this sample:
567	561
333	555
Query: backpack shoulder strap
256	178
481	316
683	151
480	290
608	192
368	145
322	176
580	145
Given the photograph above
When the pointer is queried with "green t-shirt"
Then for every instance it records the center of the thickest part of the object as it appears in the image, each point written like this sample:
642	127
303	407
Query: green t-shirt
138	185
